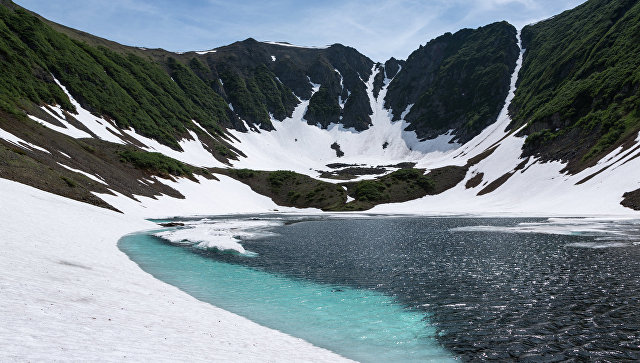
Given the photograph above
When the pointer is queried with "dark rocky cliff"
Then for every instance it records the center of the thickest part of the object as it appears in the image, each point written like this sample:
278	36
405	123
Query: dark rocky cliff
456	82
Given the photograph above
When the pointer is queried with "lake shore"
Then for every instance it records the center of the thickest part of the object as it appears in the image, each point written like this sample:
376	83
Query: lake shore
69	293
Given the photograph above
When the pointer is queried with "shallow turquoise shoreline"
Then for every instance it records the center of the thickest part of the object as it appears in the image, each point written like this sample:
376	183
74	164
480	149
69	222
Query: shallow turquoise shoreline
359	324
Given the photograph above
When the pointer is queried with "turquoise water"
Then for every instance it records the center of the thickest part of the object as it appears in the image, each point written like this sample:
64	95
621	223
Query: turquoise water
359	324
418	288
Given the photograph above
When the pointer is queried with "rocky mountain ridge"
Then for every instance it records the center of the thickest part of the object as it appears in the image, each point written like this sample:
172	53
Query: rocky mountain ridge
101	108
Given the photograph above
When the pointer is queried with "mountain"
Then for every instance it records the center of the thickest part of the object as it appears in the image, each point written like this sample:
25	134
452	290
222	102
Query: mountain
456	82
469	122
578	90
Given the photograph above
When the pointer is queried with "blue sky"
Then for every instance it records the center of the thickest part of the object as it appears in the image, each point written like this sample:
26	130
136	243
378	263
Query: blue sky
379	29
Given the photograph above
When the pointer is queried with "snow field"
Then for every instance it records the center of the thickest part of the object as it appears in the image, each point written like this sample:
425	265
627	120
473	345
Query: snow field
68	293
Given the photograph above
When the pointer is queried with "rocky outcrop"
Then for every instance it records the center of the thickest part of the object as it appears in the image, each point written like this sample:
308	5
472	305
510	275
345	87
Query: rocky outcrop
456	82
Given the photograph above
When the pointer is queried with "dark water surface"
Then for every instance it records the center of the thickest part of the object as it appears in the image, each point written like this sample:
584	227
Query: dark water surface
488	293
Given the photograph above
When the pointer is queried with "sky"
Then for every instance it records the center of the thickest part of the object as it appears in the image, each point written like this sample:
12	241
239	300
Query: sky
379	29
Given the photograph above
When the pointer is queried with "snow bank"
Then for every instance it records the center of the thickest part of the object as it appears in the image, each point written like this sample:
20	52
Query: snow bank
68	293
285	44
205	197
194	151
608	233
90	176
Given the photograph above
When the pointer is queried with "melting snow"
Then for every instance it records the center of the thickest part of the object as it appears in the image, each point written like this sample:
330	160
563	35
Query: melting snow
90	176
297	146
9	137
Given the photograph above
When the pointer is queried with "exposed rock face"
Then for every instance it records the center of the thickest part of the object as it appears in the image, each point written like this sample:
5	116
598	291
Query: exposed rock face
388	70
456	82
259	79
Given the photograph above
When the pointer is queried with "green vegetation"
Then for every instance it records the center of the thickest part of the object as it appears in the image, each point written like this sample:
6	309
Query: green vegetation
289	188
323	108
457	81
24	75
155	163
208	107
279	100
133	91
369	191
243	173
414	175
399	186
254	97
579	85
280	177
69	181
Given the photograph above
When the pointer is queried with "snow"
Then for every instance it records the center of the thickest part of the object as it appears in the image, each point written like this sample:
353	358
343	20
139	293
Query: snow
204	197
202	128
69	293
11	138
275	150
194	151
65	285
99	126
223	235
540	189
90	176
206	51
285	44
273	58
67	130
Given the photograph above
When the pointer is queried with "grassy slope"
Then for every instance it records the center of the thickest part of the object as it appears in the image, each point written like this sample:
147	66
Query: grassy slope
257	86
133	91
120	167
291	189
579	84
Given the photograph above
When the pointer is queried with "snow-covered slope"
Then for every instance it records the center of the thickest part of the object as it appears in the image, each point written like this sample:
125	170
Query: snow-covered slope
194	151
204	197
295	145
534	188
69	293
505	181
